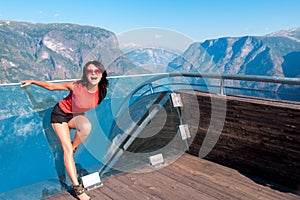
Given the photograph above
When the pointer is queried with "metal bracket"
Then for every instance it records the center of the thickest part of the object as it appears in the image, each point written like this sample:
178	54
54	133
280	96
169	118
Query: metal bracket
91	181
184	131
176	99
156	160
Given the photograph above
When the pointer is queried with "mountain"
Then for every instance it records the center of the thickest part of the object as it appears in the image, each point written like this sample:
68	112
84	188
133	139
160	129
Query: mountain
275	54
153	60
58	51
49	51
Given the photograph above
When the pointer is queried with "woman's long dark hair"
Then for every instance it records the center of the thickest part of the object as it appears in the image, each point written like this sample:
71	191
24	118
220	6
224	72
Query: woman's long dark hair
102	85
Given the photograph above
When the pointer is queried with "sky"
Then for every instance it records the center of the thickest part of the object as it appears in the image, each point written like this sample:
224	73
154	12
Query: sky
197	20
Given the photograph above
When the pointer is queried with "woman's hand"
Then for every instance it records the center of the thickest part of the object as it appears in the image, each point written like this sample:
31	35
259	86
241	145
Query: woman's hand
26	83
49	85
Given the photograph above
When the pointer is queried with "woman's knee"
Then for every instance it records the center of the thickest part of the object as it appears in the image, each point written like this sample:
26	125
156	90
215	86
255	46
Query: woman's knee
85	127
81	123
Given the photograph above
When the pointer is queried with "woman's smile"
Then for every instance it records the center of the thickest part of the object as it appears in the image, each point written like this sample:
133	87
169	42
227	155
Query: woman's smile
93	74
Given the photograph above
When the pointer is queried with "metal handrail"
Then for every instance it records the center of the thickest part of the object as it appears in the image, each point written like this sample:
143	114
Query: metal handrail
109	77
255	78
221	77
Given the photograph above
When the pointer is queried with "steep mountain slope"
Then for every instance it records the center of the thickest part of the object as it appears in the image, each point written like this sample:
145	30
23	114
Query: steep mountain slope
276	54
270	55
48	51
153	60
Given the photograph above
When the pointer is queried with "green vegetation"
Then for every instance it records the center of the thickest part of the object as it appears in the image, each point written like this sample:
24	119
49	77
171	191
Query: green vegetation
24	55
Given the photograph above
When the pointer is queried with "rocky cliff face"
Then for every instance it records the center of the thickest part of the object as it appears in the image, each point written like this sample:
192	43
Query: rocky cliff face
48	51
271	55
152	60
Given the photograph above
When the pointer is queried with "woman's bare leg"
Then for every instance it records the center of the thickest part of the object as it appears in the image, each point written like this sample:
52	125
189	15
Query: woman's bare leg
83	127
63	132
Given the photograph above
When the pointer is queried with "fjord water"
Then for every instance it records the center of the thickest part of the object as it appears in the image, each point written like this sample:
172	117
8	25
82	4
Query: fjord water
30	152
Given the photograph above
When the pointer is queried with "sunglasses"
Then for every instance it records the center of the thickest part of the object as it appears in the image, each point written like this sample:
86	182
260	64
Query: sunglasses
96	71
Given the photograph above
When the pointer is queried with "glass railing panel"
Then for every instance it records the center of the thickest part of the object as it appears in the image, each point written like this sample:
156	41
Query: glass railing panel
148	127
30	150
31	153
25	153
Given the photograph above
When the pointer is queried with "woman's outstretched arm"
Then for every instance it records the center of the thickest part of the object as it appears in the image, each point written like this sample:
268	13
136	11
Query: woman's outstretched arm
49	85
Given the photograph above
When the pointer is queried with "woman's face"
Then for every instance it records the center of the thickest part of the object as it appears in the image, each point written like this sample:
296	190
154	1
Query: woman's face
93	74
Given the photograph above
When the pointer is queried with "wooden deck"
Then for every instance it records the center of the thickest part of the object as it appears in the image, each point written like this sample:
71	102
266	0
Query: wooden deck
189	177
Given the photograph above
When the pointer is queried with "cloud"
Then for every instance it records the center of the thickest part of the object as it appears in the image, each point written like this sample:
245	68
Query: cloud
56	15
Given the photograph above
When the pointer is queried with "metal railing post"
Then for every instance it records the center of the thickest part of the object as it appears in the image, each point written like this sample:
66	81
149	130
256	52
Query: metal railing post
222	93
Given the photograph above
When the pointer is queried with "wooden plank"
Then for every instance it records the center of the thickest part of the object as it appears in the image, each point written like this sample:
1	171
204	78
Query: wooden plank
218	180
103	192
124	190
189	177
168	188
201	186
60	196
143	192
259	136
232	181
153	185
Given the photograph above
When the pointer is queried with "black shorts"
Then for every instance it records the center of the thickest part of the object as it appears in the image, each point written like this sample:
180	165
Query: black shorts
59	116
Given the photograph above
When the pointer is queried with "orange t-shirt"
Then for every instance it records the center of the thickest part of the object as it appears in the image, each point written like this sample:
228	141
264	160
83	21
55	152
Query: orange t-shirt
79	100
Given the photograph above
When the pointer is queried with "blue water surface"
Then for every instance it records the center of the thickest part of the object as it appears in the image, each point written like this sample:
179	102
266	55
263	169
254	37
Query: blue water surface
30	152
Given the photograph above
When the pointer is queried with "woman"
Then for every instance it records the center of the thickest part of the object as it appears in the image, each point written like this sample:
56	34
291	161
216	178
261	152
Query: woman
68	113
